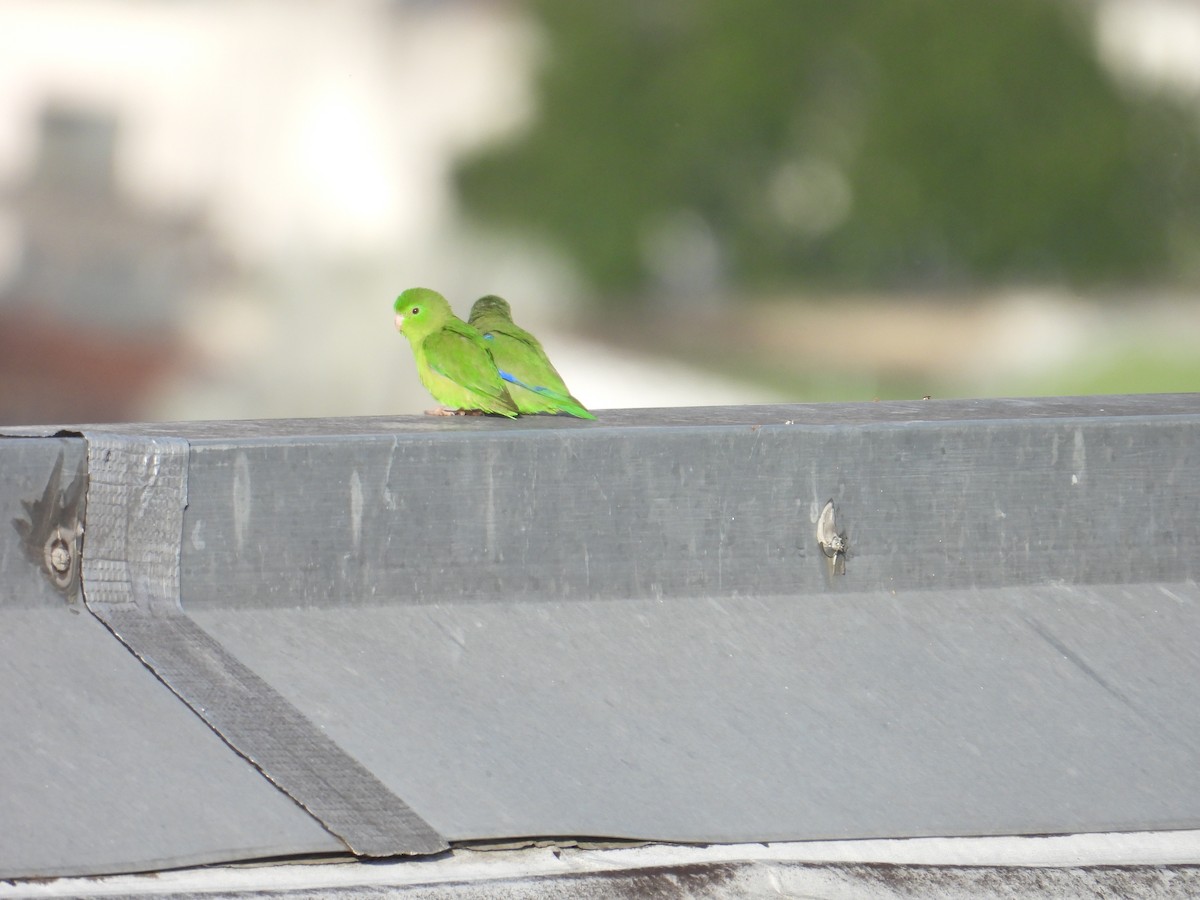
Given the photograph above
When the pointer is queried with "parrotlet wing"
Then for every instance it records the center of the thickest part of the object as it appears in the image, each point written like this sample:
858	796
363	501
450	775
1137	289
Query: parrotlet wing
461	357
523	363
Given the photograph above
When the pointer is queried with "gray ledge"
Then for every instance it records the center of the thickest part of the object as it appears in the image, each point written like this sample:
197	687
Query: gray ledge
629	629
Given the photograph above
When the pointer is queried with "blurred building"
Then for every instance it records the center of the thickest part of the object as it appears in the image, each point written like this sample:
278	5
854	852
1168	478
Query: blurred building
314	146
89	316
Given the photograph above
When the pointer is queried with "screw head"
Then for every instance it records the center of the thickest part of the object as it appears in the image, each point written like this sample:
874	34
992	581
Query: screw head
60	556
833	543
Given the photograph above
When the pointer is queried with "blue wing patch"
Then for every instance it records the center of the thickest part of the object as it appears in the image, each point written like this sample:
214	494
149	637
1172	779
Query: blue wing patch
544	391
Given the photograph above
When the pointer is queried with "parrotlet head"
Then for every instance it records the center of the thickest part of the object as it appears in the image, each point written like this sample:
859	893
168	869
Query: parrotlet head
491	305
420	312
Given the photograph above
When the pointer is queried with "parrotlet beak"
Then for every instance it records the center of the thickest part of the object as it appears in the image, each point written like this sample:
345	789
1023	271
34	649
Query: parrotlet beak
399	321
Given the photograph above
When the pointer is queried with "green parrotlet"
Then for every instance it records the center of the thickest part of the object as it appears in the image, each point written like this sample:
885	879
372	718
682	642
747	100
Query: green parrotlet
534	383
452	357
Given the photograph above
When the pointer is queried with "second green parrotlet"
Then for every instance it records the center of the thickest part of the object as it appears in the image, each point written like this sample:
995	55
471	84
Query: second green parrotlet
535	385
453	360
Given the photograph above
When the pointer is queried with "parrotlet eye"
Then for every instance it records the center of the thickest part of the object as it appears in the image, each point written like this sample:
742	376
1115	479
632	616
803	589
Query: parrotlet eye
415	310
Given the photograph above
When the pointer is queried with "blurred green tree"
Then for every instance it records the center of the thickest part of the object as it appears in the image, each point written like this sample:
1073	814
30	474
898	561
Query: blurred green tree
849	144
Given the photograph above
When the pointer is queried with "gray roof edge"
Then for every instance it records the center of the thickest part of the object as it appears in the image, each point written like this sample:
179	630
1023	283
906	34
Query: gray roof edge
904	538
680	504
863	413
1133	864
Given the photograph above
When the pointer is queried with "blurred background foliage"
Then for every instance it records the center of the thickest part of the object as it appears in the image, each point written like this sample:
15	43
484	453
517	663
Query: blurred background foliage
692	147
207	212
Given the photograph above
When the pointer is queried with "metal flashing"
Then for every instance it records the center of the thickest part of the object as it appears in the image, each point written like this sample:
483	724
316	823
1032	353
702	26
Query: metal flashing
639	628
137	494
629	628
105	770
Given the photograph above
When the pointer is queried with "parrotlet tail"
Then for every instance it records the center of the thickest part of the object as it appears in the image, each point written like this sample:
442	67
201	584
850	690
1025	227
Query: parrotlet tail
565	402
